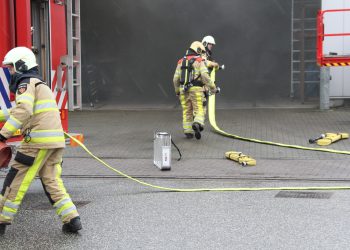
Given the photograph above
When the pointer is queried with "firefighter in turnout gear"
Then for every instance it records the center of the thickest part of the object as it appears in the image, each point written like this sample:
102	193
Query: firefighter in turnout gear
40	153
208	42
190	76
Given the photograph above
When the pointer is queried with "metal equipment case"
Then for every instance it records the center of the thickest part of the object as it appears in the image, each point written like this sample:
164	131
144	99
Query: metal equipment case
162	150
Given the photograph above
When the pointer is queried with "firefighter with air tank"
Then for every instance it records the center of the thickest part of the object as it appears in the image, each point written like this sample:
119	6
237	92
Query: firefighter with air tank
190	76
37	116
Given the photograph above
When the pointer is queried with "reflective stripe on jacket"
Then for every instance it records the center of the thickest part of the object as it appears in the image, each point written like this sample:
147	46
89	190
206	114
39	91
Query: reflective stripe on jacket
37	115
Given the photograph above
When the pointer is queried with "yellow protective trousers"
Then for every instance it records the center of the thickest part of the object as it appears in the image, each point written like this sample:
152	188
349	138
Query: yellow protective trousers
192	108
47	164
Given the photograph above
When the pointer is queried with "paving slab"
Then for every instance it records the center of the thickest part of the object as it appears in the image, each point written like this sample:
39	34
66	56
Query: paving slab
124	139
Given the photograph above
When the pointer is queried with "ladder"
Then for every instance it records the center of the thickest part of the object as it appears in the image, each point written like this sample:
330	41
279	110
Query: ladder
304	70
74	55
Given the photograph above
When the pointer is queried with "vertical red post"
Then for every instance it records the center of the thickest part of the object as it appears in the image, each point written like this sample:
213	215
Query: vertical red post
320	37
23	23
58	49
6	32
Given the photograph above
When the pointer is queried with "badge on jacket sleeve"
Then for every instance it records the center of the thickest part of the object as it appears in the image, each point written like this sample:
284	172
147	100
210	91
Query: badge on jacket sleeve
22	88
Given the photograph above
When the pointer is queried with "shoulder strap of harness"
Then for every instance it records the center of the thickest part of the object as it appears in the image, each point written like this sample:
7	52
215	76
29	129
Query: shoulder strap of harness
27	80
187	77
38	83
187	67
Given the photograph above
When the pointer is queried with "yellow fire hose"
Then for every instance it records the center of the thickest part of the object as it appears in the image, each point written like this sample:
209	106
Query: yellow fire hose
212	121
199	189
211	111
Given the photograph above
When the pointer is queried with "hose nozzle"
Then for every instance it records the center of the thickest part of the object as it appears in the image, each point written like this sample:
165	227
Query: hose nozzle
311	141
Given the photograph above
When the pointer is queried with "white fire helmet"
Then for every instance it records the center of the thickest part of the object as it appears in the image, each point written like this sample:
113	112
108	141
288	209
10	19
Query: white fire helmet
208	39
21	58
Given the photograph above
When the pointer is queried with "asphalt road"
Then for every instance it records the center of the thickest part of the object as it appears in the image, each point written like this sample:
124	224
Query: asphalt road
120	214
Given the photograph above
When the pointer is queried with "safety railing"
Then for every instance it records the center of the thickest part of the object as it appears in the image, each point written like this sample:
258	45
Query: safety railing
332	59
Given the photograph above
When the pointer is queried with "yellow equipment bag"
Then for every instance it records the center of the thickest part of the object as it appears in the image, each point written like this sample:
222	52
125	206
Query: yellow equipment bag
242	159
332	137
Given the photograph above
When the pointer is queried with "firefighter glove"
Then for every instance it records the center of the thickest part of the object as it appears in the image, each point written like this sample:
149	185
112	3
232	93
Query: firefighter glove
215	65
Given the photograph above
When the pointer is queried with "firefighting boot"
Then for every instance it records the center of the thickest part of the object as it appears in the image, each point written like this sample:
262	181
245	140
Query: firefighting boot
197	130
73	226
3	228
189	135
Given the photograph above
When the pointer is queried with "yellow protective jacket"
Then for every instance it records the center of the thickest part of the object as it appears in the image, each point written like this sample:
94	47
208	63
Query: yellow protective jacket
37	116
200	73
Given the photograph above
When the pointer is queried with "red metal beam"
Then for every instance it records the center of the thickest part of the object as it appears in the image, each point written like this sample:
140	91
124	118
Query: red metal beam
23	23
334	10
59	48
336	61
337	34
320	37
6	31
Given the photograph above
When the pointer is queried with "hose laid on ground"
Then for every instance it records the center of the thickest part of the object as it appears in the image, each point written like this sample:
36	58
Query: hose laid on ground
329	138
212	121
198	189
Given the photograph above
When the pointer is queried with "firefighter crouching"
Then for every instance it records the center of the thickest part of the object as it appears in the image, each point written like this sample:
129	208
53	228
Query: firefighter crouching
190	76
40	153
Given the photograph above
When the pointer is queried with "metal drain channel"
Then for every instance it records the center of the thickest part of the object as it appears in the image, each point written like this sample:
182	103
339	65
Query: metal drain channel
304	195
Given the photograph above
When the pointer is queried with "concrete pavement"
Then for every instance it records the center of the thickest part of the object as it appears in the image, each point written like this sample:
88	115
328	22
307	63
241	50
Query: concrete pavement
122	214
125	139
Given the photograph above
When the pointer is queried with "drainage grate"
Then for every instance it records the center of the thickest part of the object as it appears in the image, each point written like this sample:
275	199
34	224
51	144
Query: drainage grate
306	195
48	206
